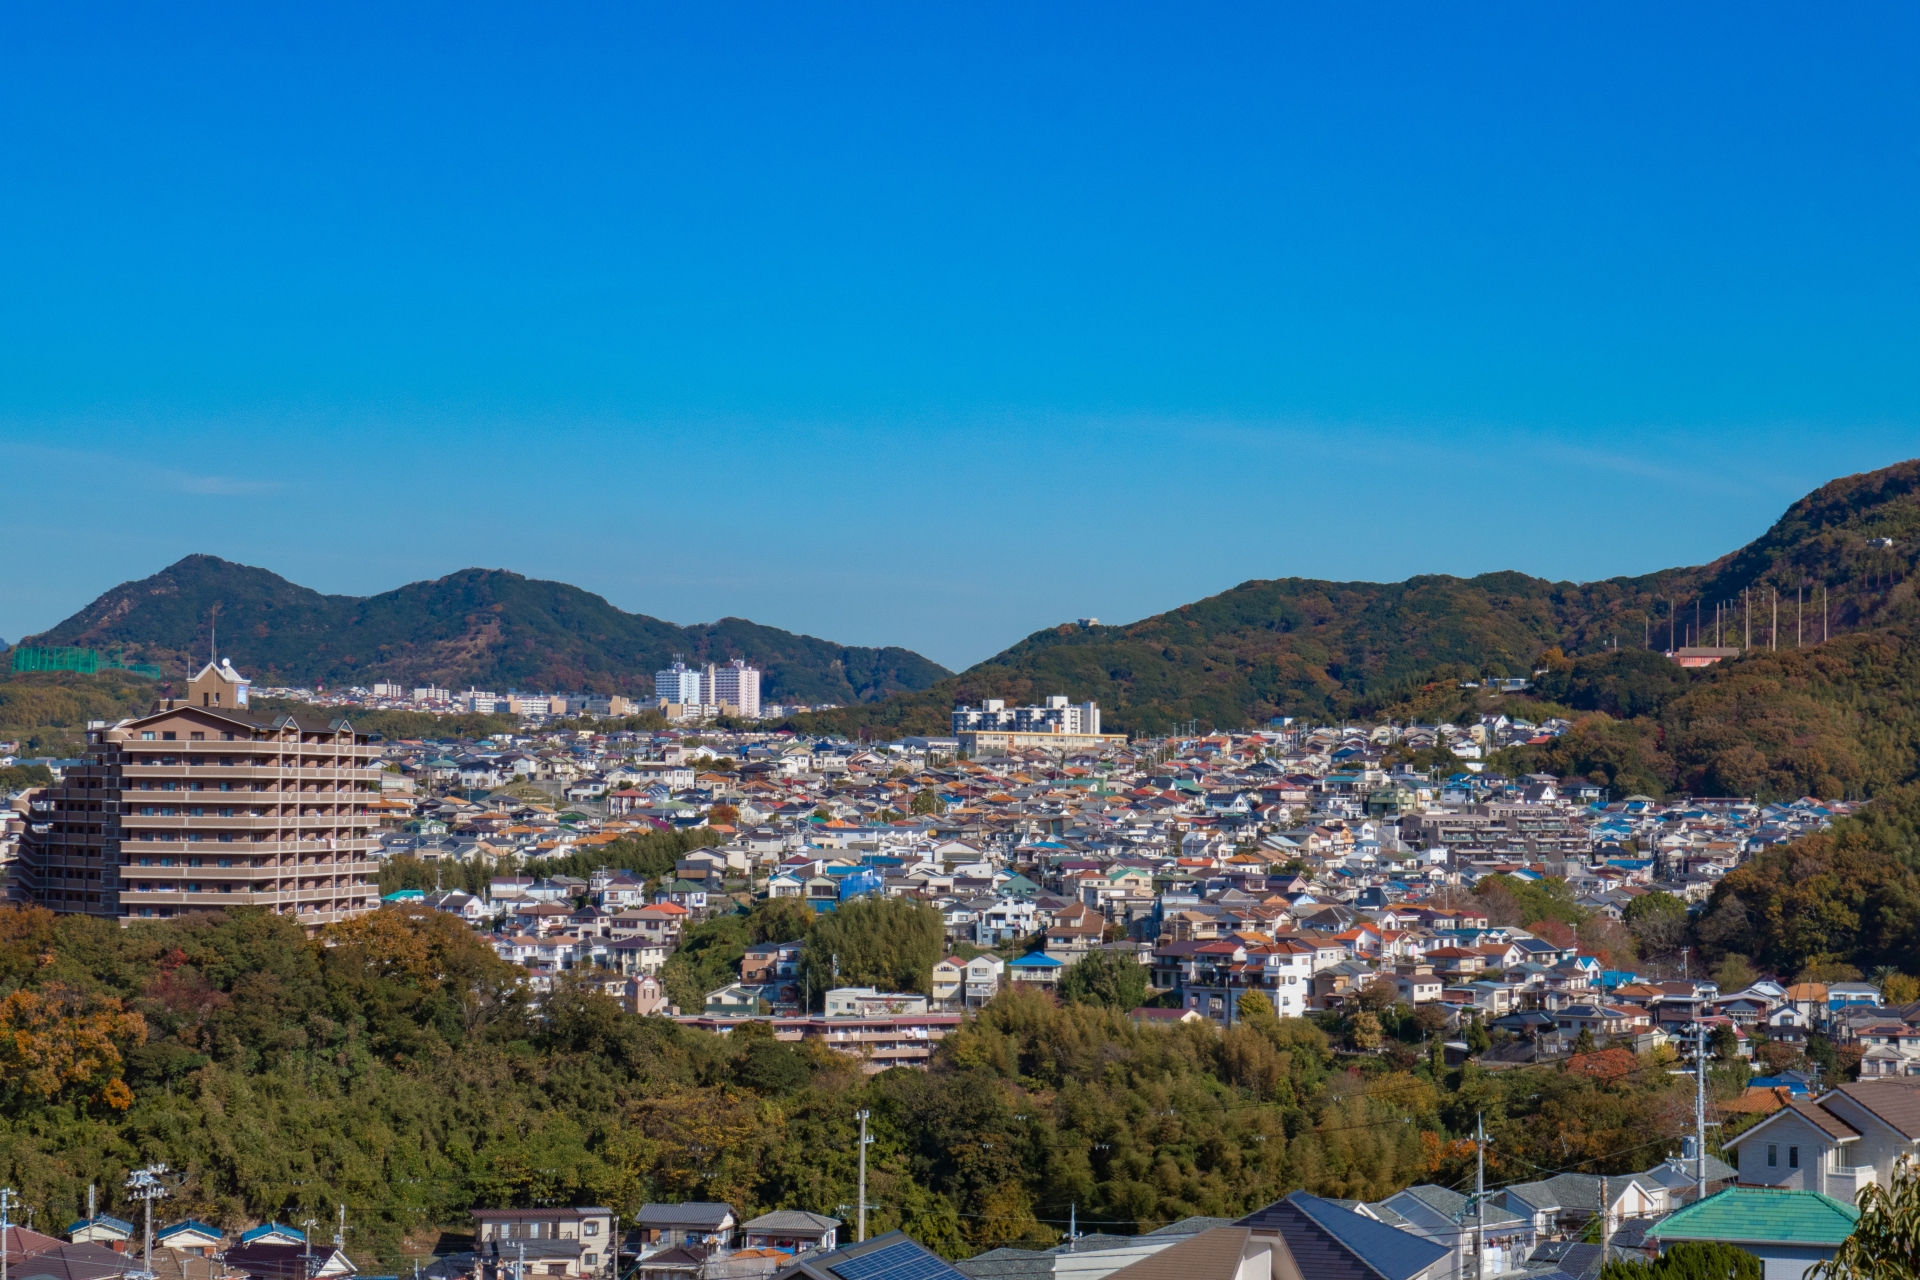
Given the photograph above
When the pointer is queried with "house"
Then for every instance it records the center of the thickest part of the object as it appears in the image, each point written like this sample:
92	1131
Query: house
637	955
868	1002
273	1233
771	962
1837	1145
1322	1238
1007	920
893	1256
102	1230
703	1222
1789	1231
264	1261
1565	1203
1145	1017
190	1236
1445	1217
949	980
1037	968
793	1230
984	977
454	902
644	995
734	1000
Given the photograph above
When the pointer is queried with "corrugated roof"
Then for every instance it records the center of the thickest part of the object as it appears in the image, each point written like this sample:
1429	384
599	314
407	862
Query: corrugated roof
1761	1215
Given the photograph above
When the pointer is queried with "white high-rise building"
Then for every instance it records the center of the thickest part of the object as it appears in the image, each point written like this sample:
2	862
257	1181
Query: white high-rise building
677	684
736	685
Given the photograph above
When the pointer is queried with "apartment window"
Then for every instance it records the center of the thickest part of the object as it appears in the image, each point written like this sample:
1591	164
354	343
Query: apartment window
1793	1157
193	862
1773	1155
168	735
226	813
193	886
226	737
196	812
196	737
226	762
146	862
166	862
226	837
146	736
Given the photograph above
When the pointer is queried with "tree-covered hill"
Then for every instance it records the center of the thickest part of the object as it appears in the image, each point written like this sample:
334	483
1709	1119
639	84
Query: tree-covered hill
1303	647
396	1066
480	626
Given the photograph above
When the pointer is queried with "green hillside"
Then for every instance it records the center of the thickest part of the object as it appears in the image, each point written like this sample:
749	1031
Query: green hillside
480	626
1304	647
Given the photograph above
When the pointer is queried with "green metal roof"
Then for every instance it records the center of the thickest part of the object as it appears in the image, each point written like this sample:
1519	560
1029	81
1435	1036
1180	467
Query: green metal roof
1760	1214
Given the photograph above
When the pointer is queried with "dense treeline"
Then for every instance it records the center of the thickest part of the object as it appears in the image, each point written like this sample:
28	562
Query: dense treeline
398	1066
47	711
1839	903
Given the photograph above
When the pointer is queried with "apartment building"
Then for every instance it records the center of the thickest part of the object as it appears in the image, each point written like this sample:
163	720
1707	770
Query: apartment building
735	685
677	685
203	804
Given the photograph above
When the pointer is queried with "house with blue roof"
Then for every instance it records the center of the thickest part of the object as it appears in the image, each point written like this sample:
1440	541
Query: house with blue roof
190	1236
1037	968
273	1233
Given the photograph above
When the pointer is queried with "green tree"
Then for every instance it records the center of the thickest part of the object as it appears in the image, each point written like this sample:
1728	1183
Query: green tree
889	943
1885	1244
927	801
1692	1260
1478	1041
1106	978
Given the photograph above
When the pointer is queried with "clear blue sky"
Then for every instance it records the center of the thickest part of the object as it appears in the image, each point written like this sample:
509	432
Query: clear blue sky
934	325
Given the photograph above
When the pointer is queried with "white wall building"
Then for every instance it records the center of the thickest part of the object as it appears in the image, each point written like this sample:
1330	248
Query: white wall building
736	684
677	684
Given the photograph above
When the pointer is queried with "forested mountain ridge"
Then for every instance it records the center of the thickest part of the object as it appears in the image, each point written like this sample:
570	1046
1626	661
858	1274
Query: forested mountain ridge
481	626
1305	647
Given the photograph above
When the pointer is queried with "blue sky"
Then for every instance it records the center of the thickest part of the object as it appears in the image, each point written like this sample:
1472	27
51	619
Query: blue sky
935	325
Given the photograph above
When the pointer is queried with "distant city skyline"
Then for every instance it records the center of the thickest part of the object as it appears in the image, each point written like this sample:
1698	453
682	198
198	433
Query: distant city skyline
935	328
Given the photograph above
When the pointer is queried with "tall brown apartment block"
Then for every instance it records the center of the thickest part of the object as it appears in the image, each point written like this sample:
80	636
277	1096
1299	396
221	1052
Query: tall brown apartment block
203	804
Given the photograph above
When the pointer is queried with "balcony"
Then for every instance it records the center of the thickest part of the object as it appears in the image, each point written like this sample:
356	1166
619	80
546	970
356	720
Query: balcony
1846	1185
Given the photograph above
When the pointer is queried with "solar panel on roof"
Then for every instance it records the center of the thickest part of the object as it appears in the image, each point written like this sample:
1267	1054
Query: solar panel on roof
903	1261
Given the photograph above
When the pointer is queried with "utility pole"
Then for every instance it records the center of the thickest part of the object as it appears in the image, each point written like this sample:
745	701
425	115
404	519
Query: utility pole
1700	1109
1480	1196
1606	1222
860	1115
1773	633
6	1227
145	1185
340	1232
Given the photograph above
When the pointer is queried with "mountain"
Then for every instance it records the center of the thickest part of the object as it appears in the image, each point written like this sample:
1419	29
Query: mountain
1305	647
485	627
